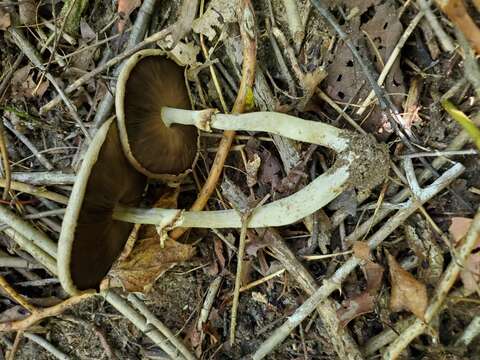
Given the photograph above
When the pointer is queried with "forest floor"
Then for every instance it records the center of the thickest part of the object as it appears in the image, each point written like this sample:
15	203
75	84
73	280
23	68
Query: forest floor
388	269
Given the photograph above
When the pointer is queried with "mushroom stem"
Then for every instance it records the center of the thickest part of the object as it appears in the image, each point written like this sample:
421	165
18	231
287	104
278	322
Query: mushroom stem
278	213
272	122
285	211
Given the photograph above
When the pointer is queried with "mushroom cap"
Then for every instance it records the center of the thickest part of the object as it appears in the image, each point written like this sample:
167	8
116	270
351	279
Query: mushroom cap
149	81
90	240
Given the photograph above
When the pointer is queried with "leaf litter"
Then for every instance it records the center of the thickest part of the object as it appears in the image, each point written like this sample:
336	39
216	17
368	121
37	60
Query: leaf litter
176	278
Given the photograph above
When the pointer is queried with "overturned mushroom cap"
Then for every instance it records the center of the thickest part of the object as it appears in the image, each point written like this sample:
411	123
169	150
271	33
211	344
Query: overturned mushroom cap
90	240
148	82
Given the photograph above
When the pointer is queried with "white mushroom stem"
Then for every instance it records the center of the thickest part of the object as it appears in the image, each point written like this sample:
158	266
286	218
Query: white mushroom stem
278	213
275	123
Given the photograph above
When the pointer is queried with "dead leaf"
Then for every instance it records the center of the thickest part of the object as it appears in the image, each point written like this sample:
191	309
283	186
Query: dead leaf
185	53
355	307
219	12
23	86
86	31
147	262
470	274
459	228
218	248
5	20
124	9
346	80
365	302
361	250
407	292
252	168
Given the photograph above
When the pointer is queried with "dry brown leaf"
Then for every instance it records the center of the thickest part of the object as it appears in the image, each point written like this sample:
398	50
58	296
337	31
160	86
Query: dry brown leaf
124	9
470	274
218	248
5	20
23	86
364	302
459	227
147	262
361	250
407	292
252	168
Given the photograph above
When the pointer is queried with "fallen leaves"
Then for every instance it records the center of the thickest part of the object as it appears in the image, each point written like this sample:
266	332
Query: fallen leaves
23	85
124	9
407	292
364	302
147	262
458	13
470	275
143	262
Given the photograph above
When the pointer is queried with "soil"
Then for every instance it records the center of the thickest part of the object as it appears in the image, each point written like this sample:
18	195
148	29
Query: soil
259	166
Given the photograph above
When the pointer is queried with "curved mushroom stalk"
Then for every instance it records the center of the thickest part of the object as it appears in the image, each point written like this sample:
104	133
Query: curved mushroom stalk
361	163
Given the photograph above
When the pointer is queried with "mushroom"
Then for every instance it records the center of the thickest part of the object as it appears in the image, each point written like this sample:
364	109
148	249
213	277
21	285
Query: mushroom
103	204
90	239
149	81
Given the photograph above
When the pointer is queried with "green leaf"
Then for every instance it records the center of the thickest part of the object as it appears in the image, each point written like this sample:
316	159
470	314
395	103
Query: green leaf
464	121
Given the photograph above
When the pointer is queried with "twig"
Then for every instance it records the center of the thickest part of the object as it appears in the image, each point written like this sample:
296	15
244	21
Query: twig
280	60
247	30
343	343
38	254
294	23
441	153
16	343
238	274
17	262
141	323
6	162
20	299
46	178
41	314
166	36
42	214
36	191
46	345
35	58
470	332
338	109
341	274
445	40
42	159
207	305
23	228
262	280
471	68
152	319
441	291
